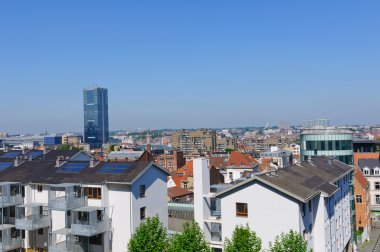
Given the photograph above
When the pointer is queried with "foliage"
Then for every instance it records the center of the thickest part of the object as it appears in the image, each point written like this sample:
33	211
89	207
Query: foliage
68	147
228	150
112	148
150	236
289	242
191	239
243	240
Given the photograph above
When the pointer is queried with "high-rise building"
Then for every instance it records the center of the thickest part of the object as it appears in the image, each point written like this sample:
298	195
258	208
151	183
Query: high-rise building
95	104
327	141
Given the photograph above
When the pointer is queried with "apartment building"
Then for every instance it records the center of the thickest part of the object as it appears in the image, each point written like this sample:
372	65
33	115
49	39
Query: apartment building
234	165
362	205
311	198
223	143
68	201
265	142
200	141
370	168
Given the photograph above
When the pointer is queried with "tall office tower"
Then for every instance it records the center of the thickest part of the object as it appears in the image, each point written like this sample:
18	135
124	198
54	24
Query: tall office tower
95	104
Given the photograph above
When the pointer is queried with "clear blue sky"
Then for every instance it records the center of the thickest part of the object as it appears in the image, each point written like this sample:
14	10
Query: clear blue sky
204	63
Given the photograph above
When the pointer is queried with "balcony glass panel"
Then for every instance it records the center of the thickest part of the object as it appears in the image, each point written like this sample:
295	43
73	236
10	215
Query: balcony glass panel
10	238
32	216
89	221
66	197
10	194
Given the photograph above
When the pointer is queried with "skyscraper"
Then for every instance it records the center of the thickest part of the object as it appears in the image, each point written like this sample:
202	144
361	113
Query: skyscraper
95	104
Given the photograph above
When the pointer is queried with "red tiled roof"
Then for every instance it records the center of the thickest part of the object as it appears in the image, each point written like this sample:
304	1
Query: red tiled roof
238	158
360	178
186	171
174	192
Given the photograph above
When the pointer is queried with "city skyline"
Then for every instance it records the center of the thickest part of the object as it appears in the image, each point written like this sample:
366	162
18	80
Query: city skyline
189	65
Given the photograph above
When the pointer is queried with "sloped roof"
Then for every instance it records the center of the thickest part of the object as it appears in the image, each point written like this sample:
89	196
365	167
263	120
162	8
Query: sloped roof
302	181
359	177
183	173
43	170
174	192
369	162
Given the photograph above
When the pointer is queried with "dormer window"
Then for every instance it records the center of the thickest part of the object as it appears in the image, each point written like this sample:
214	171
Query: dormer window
376	171
366	171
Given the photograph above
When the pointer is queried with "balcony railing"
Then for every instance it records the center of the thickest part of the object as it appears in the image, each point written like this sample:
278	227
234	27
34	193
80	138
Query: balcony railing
32	217
66	197
10	238
89	221
10	194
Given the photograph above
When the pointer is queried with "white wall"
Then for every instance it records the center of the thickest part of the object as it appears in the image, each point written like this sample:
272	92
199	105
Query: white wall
269	213
120	211
155	200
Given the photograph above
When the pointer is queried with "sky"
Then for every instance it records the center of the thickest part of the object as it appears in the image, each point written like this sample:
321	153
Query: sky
189	63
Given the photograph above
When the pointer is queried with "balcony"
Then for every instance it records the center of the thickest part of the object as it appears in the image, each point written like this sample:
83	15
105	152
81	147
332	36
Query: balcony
89	221
59	240
10	194
32	216
65	197
10	238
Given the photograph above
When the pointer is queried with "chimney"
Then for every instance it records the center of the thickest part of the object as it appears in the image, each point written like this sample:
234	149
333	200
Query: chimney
17	161
58	161
201	175
92	162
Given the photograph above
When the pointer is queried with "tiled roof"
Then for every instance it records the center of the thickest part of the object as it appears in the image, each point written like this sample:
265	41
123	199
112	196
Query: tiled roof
302	181
235	159
43	170
174	192
359	177
369	163
183	173
364	155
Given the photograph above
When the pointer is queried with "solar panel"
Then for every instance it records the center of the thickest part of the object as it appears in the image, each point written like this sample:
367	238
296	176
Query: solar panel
5	165
35	153
11	154
114	168
74	167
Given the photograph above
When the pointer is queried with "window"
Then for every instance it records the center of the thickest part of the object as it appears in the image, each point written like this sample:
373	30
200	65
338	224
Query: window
304	235
377	199
310	206
377	185
12	211
142	213
170	164
366	171
142	191
41	231
39	188
303	210
359	199
311	230
376	171
96	239
94	193
242	209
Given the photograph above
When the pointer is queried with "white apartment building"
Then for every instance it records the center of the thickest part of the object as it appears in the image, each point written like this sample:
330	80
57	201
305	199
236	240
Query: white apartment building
67	201
311	198
371	171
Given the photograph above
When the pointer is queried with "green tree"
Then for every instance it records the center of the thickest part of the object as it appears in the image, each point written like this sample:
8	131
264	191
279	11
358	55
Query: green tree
150	236
191	240
289	242
243	240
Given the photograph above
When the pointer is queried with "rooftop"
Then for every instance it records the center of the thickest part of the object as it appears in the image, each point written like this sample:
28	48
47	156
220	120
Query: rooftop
302	181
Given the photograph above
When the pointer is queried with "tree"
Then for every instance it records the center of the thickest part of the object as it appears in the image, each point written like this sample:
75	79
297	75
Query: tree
191	239
150	236
243	240
289	242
